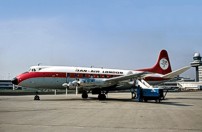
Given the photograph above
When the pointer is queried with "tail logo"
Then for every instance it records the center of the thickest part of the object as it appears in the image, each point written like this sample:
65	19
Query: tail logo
164	63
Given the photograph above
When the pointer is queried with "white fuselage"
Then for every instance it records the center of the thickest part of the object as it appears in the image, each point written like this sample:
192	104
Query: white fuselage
53	77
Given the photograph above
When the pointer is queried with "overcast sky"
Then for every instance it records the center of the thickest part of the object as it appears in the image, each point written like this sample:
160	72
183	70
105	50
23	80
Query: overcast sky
124	34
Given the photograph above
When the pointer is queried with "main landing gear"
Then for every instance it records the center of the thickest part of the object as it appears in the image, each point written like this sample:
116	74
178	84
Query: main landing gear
84	94
101	96
36	97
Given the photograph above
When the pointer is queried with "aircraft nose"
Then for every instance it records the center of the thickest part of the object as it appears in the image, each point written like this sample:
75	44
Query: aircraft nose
15	81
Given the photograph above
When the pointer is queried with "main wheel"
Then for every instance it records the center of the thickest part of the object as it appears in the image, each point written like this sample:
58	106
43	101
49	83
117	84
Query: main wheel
102	97
84	95
133	96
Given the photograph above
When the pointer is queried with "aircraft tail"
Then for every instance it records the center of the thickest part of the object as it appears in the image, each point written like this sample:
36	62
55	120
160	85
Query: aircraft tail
162	65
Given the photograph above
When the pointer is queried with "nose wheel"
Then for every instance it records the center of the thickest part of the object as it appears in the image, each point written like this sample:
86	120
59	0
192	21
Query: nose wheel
36	97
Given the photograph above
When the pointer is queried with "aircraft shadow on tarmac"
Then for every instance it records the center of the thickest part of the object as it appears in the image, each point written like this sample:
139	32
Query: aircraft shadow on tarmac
189	98
89	99
174	104
118	100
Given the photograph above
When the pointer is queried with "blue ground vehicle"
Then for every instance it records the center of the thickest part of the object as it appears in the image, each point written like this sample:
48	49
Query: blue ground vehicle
145	94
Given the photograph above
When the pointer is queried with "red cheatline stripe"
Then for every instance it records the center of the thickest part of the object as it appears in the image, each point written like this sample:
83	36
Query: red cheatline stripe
29	75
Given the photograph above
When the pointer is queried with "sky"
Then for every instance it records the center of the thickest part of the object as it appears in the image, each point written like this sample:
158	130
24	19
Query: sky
123	34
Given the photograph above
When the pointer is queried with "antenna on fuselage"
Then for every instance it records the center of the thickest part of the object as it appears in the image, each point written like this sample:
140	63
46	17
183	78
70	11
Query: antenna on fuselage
39	64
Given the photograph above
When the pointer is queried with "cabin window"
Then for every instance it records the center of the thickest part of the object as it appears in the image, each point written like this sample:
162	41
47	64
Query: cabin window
76	75
91	76
68	75
84	75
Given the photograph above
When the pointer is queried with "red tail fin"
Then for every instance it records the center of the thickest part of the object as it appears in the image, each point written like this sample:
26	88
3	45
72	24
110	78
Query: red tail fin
162	65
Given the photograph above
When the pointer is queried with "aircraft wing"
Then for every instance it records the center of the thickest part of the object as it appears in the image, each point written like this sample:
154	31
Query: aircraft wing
126	77
176	73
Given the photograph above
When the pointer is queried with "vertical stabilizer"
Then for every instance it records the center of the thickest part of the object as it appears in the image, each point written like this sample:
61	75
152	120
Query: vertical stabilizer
162	65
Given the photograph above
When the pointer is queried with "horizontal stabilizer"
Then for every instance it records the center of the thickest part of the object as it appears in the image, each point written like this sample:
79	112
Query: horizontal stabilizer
176	73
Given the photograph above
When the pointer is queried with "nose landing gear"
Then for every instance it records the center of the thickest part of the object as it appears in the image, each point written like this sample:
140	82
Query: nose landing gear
36	97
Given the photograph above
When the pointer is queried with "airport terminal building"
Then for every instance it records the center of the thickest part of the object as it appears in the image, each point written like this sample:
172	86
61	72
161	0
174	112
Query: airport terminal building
200	73
6	84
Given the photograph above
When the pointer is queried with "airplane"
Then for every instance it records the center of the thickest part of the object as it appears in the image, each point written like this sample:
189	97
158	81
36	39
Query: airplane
96	80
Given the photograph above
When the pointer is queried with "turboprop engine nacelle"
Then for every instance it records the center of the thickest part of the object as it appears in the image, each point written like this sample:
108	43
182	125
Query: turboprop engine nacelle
71	85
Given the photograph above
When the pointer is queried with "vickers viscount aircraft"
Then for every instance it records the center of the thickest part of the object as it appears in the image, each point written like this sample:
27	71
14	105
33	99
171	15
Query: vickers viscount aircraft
96	80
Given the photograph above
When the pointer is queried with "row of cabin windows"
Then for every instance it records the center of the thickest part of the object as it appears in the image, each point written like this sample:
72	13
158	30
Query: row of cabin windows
75	75
89	75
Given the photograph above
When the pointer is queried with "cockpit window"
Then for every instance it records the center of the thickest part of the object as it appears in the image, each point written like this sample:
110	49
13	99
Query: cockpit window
32	70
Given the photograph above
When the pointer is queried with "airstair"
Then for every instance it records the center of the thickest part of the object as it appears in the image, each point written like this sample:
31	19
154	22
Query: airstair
143	84
147	92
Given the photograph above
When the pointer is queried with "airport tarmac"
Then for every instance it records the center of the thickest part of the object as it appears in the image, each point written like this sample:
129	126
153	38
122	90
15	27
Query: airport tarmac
179	112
